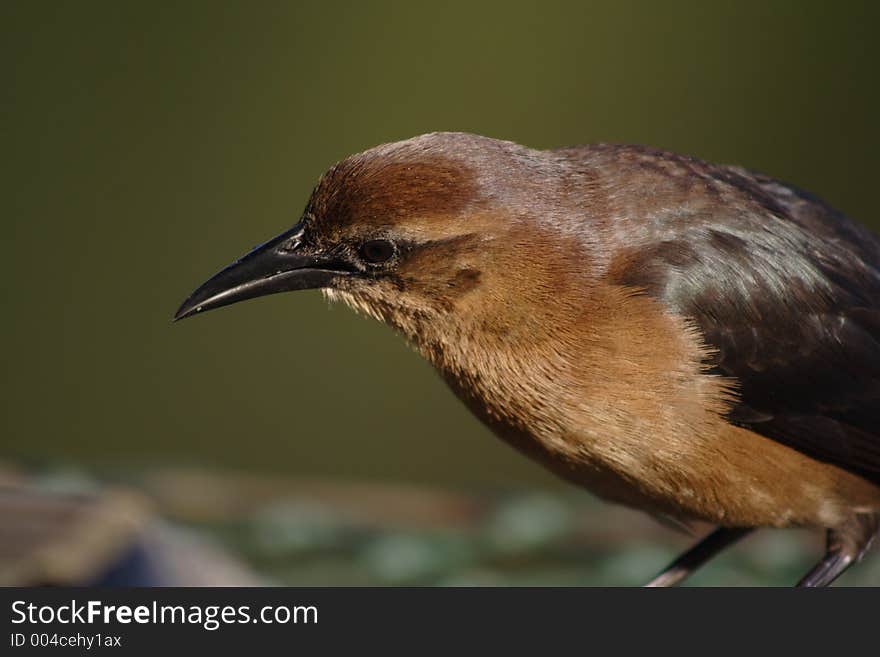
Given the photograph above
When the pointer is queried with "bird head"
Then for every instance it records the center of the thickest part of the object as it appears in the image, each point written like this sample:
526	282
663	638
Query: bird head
413	233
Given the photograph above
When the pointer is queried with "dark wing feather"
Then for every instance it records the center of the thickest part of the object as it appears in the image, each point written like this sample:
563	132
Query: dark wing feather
787	290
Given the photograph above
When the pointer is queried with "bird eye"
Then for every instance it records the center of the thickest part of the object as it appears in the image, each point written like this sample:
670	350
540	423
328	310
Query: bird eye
376	251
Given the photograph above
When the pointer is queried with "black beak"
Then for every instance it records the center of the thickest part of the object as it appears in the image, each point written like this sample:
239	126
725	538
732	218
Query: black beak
280	265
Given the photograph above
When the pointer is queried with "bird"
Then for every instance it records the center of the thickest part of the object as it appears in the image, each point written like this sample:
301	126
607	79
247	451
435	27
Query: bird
694	340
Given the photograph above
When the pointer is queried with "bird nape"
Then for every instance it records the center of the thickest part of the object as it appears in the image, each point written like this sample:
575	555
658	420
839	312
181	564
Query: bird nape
694	340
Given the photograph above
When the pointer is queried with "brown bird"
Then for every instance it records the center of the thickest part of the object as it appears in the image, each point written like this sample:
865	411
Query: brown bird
697	341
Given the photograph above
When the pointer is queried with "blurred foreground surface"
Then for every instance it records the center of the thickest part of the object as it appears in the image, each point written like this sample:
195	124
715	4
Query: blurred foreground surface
189	527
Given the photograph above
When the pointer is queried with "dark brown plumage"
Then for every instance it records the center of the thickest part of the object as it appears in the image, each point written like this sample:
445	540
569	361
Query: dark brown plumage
694	340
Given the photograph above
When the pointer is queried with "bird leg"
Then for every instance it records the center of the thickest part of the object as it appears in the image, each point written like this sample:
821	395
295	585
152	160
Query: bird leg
845	546
699	554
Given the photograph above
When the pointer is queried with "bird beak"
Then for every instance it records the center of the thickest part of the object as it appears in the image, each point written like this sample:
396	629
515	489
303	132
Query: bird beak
280	265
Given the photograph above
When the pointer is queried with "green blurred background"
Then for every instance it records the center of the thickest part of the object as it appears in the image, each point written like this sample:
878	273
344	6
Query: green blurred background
147	144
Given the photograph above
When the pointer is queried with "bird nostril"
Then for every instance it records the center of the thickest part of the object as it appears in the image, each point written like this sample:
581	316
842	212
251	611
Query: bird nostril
289	246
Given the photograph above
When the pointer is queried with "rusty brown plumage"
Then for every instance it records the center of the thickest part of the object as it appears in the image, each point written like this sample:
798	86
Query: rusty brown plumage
694	340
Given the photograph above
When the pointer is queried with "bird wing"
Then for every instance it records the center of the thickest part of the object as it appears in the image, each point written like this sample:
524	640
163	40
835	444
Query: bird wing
786	290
